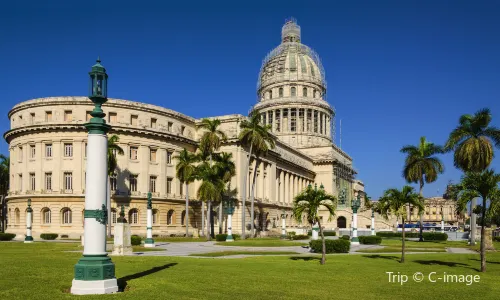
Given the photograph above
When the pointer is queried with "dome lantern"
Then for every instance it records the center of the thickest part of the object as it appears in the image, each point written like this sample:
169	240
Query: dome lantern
290	32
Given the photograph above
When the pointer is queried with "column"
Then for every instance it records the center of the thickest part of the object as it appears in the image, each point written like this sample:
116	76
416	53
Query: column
149	242
282	187
273	120
277	191
281	120
287	186
29	212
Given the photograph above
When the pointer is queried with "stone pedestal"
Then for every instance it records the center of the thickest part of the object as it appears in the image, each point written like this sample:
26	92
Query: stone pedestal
488	239
122	243
315	231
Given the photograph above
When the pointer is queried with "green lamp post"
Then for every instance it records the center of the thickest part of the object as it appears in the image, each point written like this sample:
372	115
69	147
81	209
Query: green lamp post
315	227
355	204
95	272
149	242
229	208
373	222
29	214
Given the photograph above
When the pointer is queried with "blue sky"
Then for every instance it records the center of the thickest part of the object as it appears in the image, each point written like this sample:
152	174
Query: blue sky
396	70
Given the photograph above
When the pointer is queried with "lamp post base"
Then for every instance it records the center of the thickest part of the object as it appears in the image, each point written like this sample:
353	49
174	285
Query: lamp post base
355	241
149	243
229	238
28	239
94	287
27	242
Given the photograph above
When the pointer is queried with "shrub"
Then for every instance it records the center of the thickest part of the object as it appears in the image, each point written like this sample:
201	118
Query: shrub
236	237
290	235
345	237
300	237
221	237
329	233
390	234
49	236
7	236
332	246
135	240
370	240
64	236
435	236
496	238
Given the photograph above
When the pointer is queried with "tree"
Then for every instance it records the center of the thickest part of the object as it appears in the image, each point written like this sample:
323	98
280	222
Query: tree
4	188
394	202
259	139
227	169
486	186
185	172
210	142
422	166
308	203
113	150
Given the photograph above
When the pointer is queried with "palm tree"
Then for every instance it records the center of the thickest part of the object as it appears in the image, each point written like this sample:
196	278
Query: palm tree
113	150
485	185
227	169
259	139
4	187
185	171
472	142
422	166
308	203
394	202
210	142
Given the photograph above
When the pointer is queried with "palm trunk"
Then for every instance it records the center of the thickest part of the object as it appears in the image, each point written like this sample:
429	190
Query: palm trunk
252	197
187	210
323	249
421	235
473	221
403	245
209	215
108	204
202	218
483	236
220	217
244	195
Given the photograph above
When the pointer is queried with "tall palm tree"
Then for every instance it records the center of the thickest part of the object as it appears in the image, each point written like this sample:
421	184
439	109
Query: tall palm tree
308	203
394	202
485	185
472	142
185	171
259	139
113	150
210	142
422	166
227	169
4	187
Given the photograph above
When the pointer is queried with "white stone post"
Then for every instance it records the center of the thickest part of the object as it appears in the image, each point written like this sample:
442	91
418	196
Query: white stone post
442	224
29	211
354	239
315	231
373	223
283	225
229	237
149	242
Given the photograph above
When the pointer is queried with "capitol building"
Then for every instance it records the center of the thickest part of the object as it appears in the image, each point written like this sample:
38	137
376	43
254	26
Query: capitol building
47	144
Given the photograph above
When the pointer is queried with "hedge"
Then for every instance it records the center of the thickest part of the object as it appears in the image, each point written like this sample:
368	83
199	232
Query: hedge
332	246
496	238
428	236
370	239
49	236
221	237
435	236
345	237
7	236
135	240
300	237
329	233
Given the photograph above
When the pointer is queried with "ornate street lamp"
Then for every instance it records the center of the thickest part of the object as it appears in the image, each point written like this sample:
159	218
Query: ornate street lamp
342	196
442	220
149	242
283	224
95	272
373	222
229	209
29	213
355	204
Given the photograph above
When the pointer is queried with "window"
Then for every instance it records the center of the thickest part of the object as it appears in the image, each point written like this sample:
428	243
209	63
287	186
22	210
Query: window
315	121
293	119
133	183
32	118
169	157
133	120
17	214
155	216
152	155
32	151
170	217
270	94
20	118
89	116
315	93
169	185
133	152
181	191
280	92
68	150
48	150
85	154
153	123
113	215
32	181
20	182
68	180
169	126
133	216
48	181
20	154
66	215
48	116
304	92
277	120
112	117
46	216
293	91
182	129
152	184
183	218
112	182
68	116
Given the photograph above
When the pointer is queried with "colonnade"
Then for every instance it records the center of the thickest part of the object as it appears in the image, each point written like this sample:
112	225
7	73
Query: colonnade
289	185
300	120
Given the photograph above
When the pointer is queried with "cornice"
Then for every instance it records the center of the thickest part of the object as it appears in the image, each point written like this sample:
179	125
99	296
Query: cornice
295	101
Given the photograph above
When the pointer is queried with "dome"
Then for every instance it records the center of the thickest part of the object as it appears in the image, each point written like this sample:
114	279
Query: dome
291	61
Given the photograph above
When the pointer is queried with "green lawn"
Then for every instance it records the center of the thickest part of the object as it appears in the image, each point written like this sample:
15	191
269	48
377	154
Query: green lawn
144	249
264	242
428	244
45	271
398	250
172	239
229	253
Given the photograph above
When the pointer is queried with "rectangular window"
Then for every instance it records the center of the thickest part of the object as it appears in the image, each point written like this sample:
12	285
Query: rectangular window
48	116
20	154
181	189
32	151
85	154
88	117
133	120
183	128
48	181
277	119
133	183
169	157
32	182
112	182
48	150
169	185
68	150
152	155
68	180
152	184
20	182
293	121
133	153
32	118
113	117
113	216
68	116
153	123
169	126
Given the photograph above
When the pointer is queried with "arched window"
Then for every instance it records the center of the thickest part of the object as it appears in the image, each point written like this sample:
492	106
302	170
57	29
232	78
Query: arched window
113	215
155	216
183	218
17	214
46	216
170	217
66	216
133	216
280	92
293	91
270	94
341	222
304	92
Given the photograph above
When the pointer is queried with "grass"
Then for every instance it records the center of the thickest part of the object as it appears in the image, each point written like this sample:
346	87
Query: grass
264	242
144	249
427	244
229	253
172	239
398	250
48	275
